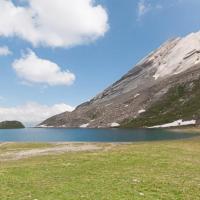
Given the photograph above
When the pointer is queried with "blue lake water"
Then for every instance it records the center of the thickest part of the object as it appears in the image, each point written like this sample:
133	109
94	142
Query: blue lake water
89	135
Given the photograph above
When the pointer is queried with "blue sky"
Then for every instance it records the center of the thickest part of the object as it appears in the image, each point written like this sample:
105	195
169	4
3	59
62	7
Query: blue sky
123	32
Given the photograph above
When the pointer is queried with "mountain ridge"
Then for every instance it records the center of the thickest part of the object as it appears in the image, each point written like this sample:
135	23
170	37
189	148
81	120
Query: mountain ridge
175	62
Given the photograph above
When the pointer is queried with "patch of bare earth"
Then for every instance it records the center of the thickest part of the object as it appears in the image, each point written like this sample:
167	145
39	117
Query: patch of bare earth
59	148
4	143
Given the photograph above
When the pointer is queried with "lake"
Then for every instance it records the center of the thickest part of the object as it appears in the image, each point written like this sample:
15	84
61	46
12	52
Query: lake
89	135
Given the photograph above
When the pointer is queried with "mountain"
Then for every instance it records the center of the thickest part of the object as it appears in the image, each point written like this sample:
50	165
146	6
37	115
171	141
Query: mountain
163	87
11	125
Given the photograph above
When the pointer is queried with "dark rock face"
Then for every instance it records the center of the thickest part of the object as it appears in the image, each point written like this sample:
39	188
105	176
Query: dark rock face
11	125
141	88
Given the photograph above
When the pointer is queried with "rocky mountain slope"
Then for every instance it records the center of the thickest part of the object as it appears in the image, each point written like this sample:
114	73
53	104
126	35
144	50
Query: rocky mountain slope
161	88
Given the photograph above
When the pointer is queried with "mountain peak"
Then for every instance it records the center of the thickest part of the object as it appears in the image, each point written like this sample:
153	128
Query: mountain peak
171	70
178	55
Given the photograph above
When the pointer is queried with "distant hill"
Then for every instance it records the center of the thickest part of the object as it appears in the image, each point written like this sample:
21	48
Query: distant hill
162	88
11	125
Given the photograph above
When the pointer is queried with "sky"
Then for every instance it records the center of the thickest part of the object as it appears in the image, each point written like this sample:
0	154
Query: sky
55	55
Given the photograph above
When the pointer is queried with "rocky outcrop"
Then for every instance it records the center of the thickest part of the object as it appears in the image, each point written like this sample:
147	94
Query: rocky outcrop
11	125
176	62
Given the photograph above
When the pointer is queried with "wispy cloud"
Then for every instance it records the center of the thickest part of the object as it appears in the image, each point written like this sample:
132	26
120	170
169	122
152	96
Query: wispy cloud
144	7
4	51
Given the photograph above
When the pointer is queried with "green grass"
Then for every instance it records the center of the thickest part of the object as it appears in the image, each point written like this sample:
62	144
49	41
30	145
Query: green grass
149	171
180	102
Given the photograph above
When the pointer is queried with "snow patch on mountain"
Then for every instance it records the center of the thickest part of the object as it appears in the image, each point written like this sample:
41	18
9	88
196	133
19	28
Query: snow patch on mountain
141	111
179	122
136	95
84	125
114	124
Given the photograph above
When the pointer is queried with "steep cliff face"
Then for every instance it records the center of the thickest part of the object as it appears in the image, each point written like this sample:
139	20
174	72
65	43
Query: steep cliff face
175	63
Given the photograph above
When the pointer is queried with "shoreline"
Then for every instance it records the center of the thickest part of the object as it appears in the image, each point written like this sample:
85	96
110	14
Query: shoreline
185	129
12	151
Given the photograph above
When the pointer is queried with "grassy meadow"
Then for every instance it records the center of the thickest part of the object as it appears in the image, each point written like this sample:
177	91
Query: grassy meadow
168	170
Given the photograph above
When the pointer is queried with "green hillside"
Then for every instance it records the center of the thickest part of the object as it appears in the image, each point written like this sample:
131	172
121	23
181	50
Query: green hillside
11	125
180	102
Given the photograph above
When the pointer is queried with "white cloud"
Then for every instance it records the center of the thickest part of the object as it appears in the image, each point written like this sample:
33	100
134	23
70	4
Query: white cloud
32	113
56	23
32	69
4	51
145	7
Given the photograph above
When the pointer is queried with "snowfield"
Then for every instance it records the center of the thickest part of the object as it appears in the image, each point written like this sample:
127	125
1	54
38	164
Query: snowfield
45	126
114	124
84	125
179	122
141	111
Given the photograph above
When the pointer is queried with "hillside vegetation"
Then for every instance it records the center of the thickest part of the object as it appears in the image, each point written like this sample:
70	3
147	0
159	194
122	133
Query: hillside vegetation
180	102
11	125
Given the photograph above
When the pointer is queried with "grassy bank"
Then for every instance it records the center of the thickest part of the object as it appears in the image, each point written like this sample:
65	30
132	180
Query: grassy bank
151	171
